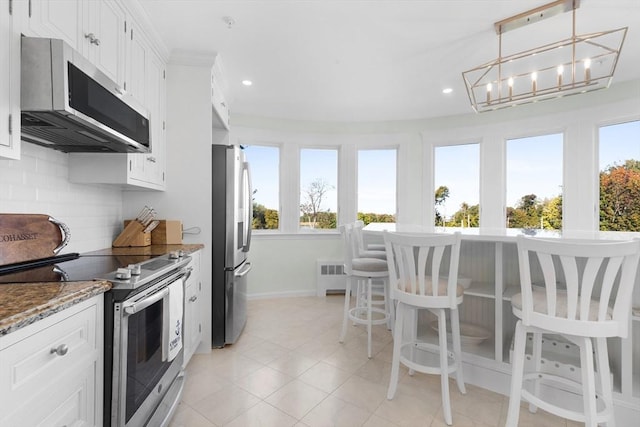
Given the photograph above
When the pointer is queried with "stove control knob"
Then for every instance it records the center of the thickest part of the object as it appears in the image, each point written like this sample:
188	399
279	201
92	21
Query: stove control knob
123	273
135	269
173	255
180	253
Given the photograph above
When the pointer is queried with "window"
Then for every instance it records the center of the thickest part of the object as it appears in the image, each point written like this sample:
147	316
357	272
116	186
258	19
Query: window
620	177
377	185
318	188
264	167
457	185
534	182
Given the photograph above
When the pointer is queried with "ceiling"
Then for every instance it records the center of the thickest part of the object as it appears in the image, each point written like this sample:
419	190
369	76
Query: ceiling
378	60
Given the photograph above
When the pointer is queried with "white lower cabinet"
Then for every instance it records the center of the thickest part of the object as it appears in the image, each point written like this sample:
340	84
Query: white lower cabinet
192	310
51	371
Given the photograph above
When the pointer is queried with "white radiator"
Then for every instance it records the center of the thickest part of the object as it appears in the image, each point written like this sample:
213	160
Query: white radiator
330	276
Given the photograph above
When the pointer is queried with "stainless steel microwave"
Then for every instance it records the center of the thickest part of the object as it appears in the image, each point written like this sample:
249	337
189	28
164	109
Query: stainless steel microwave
69	105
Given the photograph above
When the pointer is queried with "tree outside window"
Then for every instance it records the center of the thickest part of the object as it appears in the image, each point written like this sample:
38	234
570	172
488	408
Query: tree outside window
534	182
620	177
318	194
457	181
264	166
377	185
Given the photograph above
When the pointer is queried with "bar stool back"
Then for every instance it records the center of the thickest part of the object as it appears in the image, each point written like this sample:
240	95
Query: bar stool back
594	304
421	278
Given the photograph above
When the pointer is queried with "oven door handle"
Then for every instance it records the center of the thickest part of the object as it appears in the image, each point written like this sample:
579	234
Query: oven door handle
135	307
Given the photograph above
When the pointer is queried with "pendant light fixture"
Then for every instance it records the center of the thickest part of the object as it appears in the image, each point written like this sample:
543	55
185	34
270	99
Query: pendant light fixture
581	63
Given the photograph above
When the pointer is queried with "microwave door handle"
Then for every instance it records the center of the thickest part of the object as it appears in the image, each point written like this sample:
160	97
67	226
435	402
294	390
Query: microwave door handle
135	307
246	184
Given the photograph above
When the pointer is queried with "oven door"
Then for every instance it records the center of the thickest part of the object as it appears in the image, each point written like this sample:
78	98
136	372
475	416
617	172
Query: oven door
142	373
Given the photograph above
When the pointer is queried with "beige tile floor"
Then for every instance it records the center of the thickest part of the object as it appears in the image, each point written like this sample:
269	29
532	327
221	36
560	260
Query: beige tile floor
288	369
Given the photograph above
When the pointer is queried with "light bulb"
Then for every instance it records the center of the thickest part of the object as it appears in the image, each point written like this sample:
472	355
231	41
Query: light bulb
587	70
489	87
560	71
510	84
534	85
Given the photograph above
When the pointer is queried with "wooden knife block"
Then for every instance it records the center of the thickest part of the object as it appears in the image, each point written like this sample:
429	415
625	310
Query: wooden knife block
132	235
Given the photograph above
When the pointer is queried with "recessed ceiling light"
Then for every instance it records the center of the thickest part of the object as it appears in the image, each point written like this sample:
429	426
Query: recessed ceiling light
247	82
447	90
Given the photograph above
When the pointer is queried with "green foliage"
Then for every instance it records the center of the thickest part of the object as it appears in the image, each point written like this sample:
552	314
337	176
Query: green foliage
441	195
368	218
264	218
466	216
620	197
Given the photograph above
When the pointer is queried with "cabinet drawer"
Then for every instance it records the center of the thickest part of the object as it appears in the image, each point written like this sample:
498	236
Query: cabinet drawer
31	364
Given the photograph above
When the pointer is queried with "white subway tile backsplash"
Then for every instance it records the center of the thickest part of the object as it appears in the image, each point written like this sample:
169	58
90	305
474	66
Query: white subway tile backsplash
38	183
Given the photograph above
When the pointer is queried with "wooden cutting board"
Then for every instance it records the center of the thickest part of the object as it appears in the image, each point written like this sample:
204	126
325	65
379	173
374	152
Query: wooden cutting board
25	237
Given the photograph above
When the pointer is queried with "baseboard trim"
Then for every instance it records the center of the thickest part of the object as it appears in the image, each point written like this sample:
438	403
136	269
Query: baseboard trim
285	294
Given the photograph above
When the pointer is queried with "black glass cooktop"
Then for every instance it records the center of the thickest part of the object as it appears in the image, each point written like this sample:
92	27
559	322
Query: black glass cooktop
69	267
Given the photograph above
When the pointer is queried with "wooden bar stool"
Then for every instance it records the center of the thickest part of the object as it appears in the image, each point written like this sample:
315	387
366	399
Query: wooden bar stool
423	274
595	304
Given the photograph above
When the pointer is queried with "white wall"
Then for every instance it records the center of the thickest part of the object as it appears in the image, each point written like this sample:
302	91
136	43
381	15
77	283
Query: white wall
188	192
38	183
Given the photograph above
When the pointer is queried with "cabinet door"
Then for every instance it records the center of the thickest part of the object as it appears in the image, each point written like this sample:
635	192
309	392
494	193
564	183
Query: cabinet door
61	19
51	370
150	167
192	309
105	39
9	84
155	163
70	403
137	51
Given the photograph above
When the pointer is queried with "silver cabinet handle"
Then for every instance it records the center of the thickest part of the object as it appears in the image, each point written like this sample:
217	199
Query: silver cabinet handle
60	350
92	39
151	159
193	298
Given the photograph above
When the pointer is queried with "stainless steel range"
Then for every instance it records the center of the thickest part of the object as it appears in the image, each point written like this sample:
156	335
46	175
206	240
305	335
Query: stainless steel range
143	377
146	378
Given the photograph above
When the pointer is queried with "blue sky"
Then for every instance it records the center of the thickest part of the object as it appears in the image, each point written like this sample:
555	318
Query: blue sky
534	165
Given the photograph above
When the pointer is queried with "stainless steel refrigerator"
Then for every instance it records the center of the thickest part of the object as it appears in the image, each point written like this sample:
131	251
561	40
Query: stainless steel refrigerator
232	215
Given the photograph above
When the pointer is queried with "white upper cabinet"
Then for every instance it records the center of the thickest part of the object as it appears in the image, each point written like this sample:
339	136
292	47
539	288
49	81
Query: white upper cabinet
10	83
138	49
95	28
104	34
55	19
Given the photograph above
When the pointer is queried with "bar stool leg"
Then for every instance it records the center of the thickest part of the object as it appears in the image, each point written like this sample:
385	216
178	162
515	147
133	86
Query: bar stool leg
369	298
602	363
444	365
537	367
397	347
457	350
517	373
588	382
347	306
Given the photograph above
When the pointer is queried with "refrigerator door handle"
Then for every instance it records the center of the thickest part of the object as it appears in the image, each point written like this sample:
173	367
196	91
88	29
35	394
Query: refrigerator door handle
244	270
248	194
